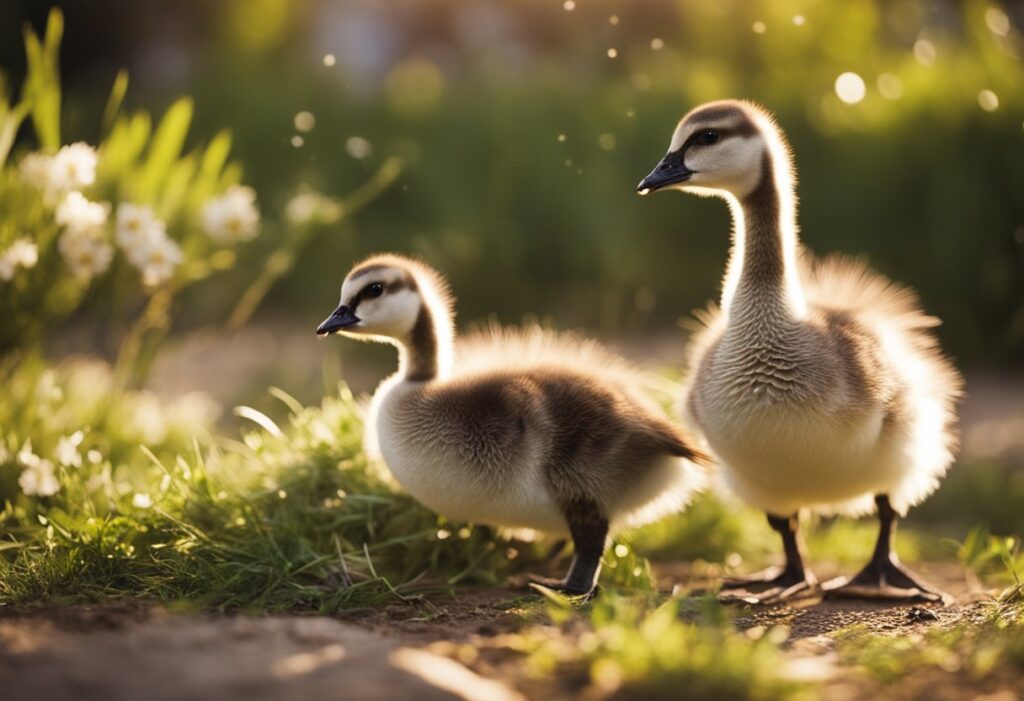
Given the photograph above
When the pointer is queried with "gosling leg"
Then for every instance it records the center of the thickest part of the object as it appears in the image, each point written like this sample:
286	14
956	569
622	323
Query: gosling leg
774	585
589	531
884	577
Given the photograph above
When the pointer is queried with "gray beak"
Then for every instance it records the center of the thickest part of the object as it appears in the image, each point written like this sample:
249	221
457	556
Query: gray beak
340	318
670	171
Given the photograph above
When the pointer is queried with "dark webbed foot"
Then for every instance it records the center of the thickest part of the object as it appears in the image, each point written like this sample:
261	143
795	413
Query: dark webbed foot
563	586
884	577
547	582
769	587
771	576
775	584
887	580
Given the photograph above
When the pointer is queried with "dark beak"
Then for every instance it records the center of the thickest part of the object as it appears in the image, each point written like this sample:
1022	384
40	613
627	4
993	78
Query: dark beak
670	171
340	318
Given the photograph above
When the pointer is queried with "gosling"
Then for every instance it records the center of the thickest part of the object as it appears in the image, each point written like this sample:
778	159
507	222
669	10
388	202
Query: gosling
817	386
528	430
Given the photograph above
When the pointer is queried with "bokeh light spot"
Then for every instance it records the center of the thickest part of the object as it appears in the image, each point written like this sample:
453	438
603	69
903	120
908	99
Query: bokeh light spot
613	20
850	88
997	21
606	141
569	5
304	121
657	44
759	27
890	86
358	147
561	137
798	20
924	52
613	53
988	100
329	60
298	141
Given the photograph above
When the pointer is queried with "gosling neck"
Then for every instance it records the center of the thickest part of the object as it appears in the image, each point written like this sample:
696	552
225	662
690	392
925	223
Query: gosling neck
762	278
426	353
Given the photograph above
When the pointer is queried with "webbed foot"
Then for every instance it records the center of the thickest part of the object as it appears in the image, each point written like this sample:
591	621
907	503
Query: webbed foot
771	586
885	580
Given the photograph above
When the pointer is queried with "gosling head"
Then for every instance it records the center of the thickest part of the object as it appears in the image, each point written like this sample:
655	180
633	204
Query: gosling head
384	297
718	148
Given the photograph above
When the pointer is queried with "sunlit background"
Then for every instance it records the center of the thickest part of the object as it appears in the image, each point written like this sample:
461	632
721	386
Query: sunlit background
523	127
184	184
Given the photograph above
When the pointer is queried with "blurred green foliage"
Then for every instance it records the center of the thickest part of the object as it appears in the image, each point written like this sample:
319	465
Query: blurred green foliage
977	491
632	648
526	139
140	165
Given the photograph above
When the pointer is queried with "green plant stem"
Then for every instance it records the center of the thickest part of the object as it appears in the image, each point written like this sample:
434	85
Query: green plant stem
283	259
155	317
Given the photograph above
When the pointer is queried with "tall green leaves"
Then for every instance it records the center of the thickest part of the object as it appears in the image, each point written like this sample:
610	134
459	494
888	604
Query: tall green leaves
164	150
41	91
40	95
117	93
11	118
151	165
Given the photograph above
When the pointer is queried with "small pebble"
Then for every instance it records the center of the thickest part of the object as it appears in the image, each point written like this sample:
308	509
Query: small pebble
917	613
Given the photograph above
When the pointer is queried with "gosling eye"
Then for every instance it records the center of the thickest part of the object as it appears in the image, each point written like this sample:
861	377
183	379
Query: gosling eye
708	137
374	289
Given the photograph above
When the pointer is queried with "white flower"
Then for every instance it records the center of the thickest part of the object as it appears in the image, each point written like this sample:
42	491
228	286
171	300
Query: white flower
136	225
83	244
233	216
67	450
85	252
20	254
160	258
145	243
75	213
26	457
142	500
39	479
24	252
35	170
73	168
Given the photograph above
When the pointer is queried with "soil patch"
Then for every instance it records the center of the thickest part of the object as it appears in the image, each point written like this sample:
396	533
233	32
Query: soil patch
413	650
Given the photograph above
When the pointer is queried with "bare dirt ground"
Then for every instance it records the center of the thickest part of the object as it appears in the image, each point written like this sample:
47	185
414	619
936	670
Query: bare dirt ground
441	648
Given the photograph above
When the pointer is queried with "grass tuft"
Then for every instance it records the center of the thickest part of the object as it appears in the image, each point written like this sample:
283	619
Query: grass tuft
631	648
291	519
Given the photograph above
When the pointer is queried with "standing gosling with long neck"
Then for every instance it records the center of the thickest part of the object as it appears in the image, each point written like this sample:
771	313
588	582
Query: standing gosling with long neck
523	429
816	386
